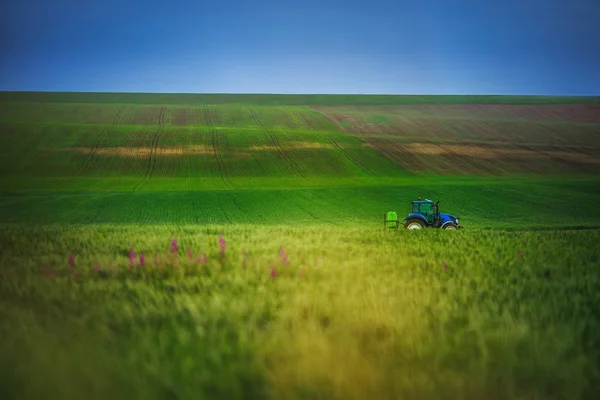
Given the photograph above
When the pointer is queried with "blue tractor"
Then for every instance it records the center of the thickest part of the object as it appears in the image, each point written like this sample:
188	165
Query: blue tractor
425	214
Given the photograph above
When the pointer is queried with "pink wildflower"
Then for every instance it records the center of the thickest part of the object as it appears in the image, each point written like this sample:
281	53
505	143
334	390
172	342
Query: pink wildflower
71	260
273	272
142	259
202	259
131	257
283	256
444	266
189	253
223	246
174	246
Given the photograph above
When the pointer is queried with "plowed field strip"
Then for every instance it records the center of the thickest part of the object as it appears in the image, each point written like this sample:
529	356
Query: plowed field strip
571	162
363	122
469	163
487	159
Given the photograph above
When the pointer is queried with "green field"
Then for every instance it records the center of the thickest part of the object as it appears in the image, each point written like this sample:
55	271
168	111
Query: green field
311	298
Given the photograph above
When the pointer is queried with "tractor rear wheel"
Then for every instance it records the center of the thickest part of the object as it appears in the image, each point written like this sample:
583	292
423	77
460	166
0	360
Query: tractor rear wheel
450	226
414	223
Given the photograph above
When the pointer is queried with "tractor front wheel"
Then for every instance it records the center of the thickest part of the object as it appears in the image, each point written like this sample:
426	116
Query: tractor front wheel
414	223
450	226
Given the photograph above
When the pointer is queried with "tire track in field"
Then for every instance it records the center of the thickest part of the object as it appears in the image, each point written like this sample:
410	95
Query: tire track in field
217	153
94	149
161	128
153	149
309	213
556	159
345	154
310	125
291	164
219	159
397	154
294	201
101	208
217	150
472	165
305	120
222	209
194	210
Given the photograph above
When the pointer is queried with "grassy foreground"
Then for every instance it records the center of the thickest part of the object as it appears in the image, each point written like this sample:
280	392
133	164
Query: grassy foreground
291	312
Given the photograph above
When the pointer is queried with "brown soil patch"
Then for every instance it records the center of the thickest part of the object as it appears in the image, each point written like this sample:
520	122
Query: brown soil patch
494	153
452	158
568	124
146	152
291	145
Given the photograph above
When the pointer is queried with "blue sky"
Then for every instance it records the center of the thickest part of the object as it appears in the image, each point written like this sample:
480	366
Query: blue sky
549	47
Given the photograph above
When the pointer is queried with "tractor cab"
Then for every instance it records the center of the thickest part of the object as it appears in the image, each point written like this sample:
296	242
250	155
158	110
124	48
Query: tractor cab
427	209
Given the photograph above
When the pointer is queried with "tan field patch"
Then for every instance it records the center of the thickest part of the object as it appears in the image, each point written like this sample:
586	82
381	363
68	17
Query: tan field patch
145	152
291	145
492	153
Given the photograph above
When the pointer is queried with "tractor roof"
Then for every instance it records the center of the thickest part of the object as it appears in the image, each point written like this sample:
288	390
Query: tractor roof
422	202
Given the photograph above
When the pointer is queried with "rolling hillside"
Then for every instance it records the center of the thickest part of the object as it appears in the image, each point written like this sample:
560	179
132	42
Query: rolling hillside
302	159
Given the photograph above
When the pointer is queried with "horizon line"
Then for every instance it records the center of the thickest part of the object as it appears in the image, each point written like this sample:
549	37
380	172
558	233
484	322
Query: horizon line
303	94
